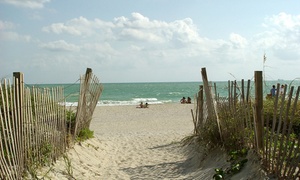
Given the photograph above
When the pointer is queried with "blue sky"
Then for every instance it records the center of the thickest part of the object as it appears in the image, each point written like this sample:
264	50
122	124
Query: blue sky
54	41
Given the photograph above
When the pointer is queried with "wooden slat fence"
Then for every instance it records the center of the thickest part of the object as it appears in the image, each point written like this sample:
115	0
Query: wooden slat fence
90	91
32	130
233	117
281	153
33	124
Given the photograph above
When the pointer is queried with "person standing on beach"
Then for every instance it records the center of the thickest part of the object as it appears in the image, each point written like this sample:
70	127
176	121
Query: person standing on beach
273	91
281	91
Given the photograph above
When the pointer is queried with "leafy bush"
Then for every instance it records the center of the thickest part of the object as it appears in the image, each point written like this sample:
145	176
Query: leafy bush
237	161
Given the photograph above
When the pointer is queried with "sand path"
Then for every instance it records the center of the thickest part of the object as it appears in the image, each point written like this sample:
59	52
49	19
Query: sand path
133	143
144	143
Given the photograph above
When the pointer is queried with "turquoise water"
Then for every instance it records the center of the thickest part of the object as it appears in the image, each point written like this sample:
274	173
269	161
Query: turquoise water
153	93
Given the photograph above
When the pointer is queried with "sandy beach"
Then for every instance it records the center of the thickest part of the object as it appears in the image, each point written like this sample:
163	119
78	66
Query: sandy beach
142	143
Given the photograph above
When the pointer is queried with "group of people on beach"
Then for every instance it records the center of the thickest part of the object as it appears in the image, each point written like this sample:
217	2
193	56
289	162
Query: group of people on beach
186	101
142	105
273	91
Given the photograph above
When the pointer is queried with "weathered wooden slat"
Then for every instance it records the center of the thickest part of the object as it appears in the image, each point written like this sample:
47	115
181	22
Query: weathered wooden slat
282	150
291	120
5	162
278	148
32	118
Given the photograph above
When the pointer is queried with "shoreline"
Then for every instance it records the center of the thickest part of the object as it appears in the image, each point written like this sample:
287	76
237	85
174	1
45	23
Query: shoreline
74	104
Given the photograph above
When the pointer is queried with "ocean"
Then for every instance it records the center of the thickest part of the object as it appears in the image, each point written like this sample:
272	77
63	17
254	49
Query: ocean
153	93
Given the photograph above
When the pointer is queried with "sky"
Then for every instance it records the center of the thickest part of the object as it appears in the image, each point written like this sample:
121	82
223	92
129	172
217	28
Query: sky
54	41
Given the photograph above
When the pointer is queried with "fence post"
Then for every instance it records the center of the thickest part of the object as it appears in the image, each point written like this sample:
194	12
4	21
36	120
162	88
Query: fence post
243	91
19	116
229	95
248	90
82	106
211	109
19	90
258	108
200	107
207	92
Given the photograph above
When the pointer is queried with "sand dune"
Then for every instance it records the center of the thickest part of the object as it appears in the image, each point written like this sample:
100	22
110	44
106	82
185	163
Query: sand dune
135	143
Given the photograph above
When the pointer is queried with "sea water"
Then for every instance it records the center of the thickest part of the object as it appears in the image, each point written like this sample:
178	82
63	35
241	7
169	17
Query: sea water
154	92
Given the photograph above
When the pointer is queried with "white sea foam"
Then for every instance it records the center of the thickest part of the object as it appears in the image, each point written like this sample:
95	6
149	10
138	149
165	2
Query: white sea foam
134	101
138	100
68	104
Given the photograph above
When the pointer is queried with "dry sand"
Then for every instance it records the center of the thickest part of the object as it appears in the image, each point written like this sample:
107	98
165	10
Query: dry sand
142	143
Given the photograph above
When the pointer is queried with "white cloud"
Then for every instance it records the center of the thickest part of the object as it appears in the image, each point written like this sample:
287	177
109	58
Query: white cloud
60	45
5	25
141	28
284	25
14	36
137	27
282	36
32	4
142	35
238	41
285	21
59	28
99	50
154	41
159	38
139	44
7	32
185	31
80	27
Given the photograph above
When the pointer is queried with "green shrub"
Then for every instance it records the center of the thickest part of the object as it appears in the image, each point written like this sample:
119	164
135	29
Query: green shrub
85	134
237	162
46	151
71	116
268	106
70	120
